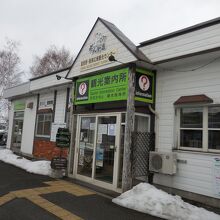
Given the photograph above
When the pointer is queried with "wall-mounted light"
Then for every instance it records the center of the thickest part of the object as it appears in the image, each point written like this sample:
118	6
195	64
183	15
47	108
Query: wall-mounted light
61	77
111	58
58	77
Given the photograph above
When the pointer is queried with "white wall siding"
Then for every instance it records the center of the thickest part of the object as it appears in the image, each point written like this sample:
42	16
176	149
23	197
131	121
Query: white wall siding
60	108
196	174
112	44
18	90
48	81
203	39
46	97
29	126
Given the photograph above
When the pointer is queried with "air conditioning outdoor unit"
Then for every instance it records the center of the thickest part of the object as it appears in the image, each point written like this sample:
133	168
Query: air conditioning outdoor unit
161	162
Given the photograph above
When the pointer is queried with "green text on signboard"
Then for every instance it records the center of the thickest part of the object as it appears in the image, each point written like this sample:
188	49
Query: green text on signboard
111	86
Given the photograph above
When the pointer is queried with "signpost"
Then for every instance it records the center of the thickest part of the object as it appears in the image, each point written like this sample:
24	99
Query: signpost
54	128
216	175
59	163
62	141
63	138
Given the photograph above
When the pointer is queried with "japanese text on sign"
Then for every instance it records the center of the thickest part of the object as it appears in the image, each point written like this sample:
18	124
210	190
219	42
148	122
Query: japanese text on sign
111	86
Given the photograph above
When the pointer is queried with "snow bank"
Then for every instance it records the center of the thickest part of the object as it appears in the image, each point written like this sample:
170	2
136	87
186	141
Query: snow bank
148	199
38	167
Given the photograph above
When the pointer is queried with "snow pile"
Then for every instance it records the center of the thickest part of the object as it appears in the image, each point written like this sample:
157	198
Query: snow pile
38	167
146	198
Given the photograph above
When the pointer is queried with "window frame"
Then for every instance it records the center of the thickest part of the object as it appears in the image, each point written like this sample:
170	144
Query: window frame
43	135
205	129
43	104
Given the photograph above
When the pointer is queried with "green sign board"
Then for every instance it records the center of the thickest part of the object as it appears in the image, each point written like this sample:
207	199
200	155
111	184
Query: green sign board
19	105
106	87
113	86
144	86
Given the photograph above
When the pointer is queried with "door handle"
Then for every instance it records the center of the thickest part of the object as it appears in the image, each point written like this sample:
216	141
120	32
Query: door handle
115	148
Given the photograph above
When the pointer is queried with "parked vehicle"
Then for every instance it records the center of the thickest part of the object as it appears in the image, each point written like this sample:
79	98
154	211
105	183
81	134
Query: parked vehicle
3	134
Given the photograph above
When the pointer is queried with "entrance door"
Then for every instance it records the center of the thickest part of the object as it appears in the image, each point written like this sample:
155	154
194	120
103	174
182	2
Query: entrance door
17	130
86	146
105	148
97	153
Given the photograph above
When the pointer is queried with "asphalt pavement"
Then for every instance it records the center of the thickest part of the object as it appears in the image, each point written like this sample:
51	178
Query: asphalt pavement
28	197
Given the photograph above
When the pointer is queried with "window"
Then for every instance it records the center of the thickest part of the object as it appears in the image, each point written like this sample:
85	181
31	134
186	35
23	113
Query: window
214	128
191	127
50	102
42	103
44	125
199	128
141	123
46	104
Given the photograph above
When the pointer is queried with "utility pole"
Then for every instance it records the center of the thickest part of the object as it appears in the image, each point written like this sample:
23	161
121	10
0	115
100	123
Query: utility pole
129	127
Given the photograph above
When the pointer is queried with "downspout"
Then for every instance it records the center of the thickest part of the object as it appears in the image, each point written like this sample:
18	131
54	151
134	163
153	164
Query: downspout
151	175
156	124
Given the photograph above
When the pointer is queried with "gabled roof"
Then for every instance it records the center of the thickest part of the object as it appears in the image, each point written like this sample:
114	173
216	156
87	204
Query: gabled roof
121	37
125	41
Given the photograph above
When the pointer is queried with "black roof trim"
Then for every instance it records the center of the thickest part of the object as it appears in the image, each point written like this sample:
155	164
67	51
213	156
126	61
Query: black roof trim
51	73
181	32
125	41
121	37
188	55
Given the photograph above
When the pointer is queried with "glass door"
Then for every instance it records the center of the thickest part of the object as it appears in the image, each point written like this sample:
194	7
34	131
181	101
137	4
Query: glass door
96	149
86	146
105	148
17	130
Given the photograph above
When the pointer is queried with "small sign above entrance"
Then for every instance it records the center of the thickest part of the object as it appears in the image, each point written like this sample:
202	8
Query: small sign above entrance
144	86
19	105
111	86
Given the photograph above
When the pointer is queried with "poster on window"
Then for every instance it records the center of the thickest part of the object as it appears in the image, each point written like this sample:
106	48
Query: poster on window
99	157
111	129
82	145
99	138
216	175
92	126
85	123
54	128
102	129
81	160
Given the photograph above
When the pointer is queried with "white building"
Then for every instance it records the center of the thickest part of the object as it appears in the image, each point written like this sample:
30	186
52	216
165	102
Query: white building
37	107
187	102
170	85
